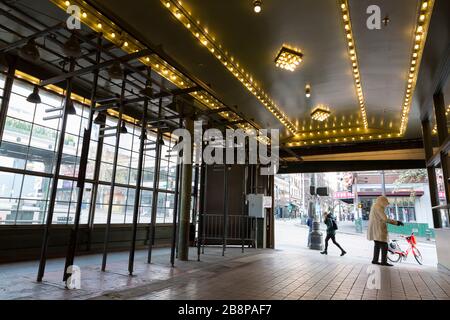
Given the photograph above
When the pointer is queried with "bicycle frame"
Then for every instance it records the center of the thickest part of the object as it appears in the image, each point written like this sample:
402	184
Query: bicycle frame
411	244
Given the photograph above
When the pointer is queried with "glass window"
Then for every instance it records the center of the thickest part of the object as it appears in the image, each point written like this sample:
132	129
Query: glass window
30	143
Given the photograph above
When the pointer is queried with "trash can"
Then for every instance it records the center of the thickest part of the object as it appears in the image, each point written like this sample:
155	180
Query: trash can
358	225
428	234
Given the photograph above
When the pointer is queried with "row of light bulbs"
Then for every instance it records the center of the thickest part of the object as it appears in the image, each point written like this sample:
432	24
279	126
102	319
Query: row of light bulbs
420	35
343	139
354	60
423	18
204	37
96	21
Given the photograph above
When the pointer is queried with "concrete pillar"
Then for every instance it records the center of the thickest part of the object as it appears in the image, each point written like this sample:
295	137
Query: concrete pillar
185	205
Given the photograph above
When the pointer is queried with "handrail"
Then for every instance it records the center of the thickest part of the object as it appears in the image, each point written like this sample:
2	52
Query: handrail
443	206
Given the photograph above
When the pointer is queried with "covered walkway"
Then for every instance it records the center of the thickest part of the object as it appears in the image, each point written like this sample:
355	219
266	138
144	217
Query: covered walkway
293	273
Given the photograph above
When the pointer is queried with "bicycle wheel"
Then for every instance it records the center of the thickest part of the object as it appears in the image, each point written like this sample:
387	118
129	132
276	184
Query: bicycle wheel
417	255
393	257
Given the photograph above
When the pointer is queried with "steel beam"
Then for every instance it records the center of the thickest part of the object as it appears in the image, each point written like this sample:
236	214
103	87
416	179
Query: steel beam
23	41
177	92
80	72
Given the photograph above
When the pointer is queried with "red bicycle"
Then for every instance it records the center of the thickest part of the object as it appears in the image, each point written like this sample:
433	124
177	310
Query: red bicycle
395	253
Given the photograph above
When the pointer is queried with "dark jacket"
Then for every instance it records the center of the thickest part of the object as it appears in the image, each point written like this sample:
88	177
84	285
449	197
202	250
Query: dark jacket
329	222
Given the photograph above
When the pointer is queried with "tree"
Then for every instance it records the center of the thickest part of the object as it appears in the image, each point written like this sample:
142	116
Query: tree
412	176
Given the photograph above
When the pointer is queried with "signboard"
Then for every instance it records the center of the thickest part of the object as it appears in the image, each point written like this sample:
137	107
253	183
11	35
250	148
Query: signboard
267	202
343	195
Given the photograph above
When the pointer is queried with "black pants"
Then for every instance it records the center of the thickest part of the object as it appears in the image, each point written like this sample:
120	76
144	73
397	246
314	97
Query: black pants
383	246
333	238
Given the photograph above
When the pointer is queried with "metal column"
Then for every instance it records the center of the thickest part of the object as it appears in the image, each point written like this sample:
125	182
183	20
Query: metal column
92	207
155	188
225	208
442	129
185	203
72	247
52	200
137	196
431	171
7	95
113	174
175	210
201	208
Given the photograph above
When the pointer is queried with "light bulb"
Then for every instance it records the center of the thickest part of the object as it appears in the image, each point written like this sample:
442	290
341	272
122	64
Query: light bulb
257	6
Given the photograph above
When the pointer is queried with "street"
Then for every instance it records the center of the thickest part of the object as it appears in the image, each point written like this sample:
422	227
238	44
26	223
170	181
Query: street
290	235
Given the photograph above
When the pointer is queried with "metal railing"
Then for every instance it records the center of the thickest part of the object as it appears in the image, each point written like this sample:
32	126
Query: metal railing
219	229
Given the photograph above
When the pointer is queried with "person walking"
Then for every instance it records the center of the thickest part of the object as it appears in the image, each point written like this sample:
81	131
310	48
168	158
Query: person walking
330	221
309	223
377	230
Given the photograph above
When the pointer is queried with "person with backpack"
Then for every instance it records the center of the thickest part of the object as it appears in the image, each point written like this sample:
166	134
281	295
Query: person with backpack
330	221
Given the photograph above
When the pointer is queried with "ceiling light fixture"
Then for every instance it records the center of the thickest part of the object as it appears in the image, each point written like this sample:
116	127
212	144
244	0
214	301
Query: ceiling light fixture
208	41
72	47
308	91
257	6
115	71
320	113
70	108
34	97
100	118
354	60
123	128
121	39
420	36
288	58
30	51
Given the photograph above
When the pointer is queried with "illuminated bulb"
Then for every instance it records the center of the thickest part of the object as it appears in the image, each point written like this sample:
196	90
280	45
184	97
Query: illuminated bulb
257	6
113	35
168	4
425	5
67	3
308	91
126	44
99	25
84	14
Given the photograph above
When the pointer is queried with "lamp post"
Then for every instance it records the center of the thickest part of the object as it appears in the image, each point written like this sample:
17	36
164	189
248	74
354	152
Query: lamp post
315	235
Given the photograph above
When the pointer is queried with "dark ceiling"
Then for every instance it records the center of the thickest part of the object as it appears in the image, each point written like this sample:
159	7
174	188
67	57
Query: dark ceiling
316	28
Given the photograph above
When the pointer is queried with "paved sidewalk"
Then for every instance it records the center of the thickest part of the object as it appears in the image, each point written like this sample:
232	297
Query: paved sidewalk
290	272
290	235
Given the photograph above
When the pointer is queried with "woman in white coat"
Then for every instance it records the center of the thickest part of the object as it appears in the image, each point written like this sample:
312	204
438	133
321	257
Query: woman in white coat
377	230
